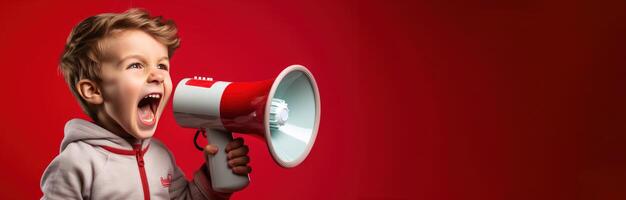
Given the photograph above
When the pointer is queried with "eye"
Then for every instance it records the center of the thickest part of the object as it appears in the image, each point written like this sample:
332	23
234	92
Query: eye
134	66
163	67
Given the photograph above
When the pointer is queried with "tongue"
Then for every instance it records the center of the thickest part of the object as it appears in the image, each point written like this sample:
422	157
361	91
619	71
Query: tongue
146	116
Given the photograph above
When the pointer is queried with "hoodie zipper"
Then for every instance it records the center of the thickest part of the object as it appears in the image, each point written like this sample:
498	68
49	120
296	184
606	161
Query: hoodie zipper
138	153
142	171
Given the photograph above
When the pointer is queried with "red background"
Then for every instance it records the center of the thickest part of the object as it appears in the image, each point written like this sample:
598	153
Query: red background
421	100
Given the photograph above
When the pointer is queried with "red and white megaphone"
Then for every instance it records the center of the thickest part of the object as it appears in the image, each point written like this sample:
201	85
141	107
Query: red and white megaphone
285	111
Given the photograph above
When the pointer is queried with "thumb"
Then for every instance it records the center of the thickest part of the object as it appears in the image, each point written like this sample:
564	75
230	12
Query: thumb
210	149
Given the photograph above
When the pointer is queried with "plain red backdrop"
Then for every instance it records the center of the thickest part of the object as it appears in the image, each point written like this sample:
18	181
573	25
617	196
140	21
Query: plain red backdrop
420	100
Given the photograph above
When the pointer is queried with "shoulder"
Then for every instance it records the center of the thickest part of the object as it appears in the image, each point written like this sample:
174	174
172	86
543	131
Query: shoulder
73	167
79	155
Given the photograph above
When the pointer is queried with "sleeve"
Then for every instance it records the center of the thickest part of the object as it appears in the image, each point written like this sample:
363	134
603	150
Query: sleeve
198	188
66	178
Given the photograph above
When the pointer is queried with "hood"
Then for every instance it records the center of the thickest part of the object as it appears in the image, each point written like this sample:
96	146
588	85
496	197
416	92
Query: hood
90	133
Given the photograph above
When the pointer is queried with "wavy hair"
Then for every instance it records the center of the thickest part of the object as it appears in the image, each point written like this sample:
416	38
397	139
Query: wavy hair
82	54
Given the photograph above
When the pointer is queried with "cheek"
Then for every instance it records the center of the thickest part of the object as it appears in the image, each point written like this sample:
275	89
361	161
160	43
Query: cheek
167	84
125	92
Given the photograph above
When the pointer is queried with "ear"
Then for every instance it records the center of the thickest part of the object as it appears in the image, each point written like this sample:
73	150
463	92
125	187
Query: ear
89	91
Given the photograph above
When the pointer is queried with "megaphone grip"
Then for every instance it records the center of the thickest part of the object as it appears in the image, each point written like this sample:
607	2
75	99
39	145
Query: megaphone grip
222	177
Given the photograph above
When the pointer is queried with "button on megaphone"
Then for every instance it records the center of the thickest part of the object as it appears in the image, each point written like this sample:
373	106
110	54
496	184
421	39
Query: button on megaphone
285	111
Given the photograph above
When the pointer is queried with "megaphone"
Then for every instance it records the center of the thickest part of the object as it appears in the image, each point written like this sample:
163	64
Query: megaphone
284	110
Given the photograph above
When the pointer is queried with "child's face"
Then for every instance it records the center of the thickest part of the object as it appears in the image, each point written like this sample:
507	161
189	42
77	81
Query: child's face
136	82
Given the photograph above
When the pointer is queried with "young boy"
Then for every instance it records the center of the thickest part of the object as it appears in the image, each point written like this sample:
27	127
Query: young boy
117	66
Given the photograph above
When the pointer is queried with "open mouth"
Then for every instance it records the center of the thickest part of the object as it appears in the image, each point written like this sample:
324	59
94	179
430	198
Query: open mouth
147	108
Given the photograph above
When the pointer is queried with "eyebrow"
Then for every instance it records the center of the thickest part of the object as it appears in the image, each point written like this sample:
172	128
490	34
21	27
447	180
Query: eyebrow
141	58
165	58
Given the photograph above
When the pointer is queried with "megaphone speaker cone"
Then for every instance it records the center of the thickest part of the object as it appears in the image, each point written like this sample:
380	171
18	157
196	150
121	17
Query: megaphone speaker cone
291	141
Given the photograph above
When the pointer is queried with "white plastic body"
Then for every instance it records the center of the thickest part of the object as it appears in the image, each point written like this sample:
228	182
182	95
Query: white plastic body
198	107
222	177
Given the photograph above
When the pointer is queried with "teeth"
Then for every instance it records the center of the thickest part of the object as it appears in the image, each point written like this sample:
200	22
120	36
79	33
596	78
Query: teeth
156	96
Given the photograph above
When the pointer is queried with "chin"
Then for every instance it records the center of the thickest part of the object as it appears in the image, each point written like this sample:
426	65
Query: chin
144	134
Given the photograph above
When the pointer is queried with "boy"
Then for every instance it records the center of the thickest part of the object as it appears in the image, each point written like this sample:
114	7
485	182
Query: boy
117	66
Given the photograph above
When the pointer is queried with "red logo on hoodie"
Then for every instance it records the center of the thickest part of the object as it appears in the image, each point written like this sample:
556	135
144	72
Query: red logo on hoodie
166	181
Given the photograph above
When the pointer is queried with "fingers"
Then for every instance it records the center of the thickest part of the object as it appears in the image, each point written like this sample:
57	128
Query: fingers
236	147
242	170
210	149
236	143
239	161
238	152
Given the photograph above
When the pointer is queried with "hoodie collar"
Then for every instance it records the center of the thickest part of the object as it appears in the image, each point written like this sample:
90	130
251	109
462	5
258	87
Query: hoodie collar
88	132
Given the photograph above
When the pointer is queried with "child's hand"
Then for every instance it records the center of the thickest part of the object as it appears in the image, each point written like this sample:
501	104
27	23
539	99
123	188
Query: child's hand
237	154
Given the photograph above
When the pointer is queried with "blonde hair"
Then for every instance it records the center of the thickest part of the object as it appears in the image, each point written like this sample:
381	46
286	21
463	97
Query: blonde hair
82	53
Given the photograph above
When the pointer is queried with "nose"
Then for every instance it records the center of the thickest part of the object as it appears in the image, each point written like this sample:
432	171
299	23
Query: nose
155	76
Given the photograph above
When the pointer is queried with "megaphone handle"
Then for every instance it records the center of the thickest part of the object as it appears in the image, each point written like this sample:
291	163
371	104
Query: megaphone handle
222	177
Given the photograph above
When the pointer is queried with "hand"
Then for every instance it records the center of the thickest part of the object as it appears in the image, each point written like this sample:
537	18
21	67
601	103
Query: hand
237	154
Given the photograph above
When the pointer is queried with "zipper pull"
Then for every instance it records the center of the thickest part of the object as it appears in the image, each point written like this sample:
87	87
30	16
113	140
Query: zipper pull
138	154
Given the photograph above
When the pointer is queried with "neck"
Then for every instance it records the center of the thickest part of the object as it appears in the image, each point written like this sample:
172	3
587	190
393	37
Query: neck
109	124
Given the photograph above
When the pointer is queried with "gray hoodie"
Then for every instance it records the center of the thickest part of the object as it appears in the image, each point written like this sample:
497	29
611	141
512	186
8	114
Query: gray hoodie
97	164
